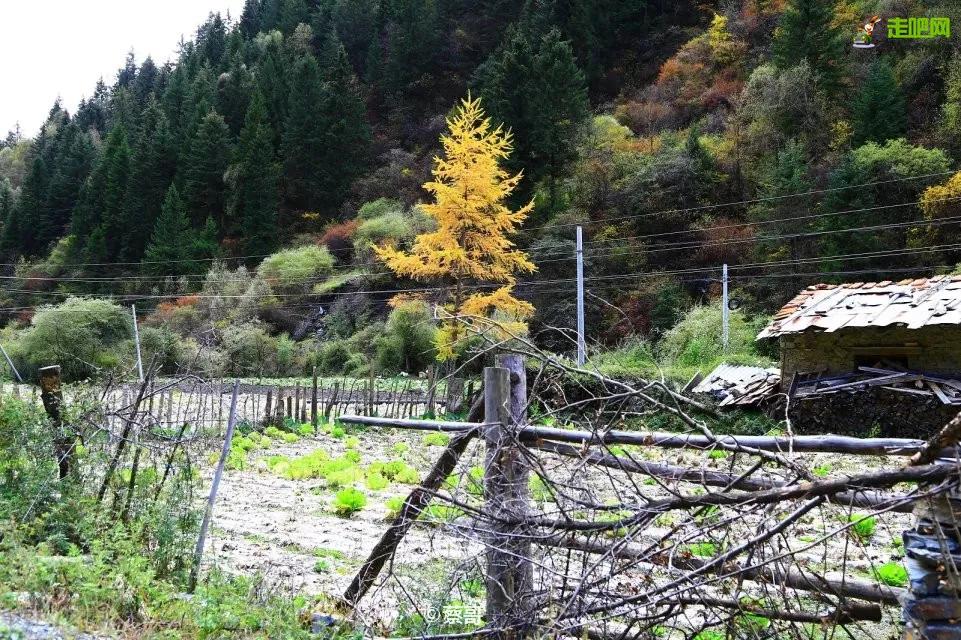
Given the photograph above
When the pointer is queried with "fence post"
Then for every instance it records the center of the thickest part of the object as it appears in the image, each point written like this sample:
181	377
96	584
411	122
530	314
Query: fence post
506	497
52	396
313	401
214	487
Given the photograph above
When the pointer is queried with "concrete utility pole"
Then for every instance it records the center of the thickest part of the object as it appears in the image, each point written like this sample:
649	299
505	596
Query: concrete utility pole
725	312
581	345
136	336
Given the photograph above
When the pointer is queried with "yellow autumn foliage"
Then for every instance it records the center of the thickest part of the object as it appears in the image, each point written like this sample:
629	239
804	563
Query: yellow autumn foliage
471	245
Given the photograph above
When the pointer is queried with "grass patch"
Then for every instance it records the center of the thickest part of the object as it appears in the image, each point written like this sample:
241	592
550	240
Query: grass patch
702	549
436	439
863	526
892	574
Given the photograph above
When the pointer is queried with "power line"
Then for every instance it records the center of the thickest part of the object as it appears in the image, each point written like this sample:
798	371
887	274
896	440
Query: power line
751	201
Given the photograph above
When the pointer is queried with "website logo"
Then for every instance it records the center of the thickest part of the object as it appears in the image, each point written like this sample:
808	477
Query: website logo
913	28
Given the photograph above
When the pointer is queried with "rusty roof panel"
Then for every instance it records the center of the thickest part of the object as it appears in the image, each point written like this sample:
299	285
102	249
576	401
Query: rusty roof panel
911	303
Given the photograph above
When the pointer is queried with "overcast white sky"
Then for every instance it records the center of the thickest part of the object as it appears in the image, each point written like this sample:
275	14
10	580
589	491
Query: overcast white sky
51	48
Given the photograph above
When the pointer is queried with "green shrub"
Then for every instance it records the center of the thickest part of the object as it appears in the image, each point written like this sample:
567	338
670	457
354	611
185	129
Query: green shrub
822	470
394	505
349	501
321	566
407	343
332	357
440	513
84	336
400	448
305	430
695	342
863	526
717	454
296	270
352	442
538	489
892	574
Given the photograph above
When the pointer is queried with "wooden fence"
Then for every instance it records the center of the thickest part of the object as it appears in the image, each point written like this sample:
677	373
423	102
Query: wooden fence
931	606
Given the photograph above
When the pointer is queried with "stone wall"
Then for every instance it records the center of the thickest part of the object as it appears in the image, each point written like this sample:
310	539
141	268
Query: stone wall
934	349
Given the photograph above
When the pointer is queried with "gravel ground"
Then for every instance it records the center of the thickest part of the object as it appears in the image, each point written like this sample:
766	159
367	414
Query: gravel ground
18	627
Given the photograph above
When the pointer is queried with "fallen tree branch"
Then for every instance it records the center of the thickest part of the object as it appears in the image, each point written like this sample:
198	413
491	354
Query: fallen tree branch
714	478
790	577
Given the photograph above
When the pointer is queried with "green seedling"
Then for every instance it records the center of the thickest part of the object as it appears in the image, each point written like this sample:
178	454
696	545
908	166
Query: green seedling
892	574
348	502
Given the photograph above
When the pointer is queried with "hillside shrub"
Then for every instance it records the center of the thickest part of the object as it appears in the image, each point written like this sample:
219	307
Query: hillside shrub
296	270
408	341
84	336
695	341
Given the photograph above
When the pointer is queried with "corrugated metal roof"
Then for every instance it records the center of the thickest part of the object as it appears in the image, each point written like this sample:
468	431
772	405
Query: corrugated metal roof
911	303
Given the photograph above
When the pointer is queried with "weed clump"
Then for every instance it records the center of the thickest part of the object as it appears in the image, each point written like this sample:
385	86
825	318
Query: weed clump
348	502
863	526
892	574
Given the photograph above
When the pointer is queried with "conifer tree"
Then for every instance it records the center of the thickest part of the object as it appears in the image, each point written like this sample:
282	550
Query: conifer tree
170	241
203	170
113	225
152	167
254	182
471	244
71	166
250	19
533	86
18	237
807	32
326	135
879	112
234	94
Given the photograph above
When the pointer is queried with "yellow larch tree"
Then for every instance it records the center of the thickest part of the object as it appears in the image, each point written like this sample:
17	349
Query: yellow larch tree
470	249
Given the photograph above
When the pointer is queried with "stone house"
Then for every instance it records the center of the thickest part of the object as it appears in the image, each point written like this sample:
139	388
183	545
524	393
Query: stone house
843	346
832	329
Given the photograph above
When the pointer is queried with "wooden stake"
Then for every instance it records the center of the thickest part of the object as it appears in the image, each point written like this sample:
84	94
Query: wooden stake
313	402
52	395
212	498
506	494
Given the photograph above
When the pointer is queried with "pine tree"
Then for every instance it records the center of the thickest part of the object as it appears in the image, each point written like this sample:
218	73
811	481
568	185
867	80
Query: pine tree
234	94
169	245
471	244
254	182
18	236
533	86
272	82
250	19
113	224
807	32
326	135
879	111
6	204
203	170
71	167
152	168
292	13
